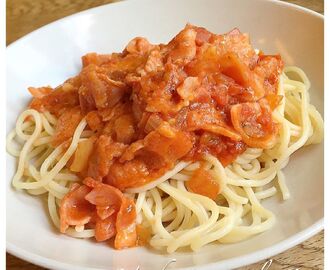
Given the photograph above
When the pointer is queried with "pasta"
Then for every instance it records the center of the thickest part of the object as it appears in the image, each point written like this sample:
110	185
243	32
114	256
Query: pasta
174	216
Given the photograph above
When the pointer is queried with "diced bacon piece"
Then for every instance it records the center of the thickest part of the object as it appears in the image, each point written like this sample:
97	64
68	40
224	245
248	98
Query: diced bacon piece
154	62
104	196
66	125
205	62
239	43
223	130
105	151
187	90
96	59
158	154
74	209
203	36
255	124
153	122
184	47
105	229
40	91
94	121
139	45
233	67
105	211
126	225
56	101
86	100
166	130
105	92
92	183
130	151
124	128
269	68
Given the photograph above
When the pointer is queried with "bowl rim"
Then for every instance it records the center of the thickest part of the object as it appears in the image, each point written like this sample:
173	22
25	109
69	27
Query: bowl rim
123	2
231	263
235	262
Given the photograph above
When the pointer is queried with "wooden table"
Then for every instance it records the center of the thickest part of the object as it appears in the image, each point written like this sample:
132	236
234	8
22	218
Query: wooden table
24	16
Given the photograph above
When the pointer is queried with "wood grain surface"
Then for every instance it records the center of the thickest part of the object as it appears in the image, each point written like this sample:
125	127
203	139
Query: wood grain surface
24	16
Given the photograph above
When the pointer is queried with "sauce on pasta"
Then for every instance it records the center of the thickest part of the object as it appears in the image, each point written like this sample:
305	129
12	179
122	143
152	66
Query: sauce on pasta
170	144
153	105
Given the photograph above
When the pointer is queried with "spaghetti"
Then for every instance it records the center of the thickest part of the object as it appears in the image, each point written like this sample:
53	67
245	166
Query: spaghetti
170	214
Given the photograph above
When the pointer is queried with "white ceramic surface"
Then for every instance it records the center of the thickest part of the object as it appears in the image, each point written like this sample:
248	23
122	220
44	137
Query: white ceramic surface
52	54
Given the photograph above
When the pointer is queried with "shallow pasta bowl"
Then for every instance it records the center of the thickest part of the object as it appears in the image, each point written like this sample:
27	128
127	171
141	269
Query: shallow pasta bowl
52	54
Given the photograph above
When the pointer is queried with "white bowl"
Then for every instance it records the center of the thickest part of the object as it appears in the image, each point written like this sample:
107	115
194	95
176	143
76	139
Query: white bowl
52	54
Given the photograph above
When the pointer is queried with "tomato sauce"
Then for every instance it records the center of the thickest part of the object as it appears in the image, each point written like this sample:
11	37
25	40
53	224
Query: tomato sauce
151	106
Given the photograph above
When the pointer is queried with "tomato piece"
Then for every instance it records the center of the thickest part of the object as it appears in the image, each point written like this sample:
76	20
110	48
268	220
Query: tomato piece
170	149
203	183
273	100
